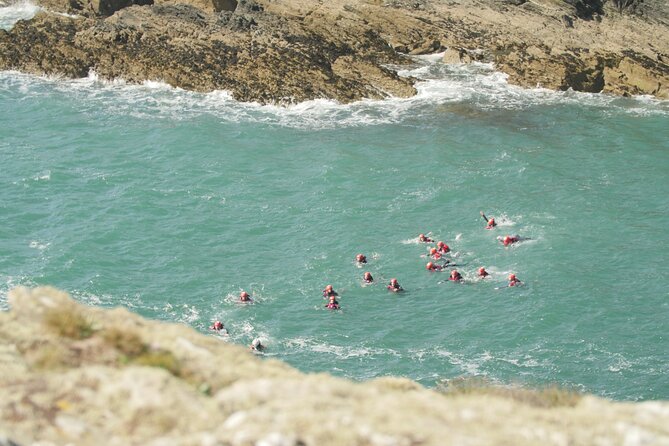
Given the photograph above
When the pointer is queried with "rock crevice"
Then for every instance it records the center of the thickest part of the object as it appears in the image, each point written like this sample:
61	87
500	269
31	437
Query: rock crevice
270	51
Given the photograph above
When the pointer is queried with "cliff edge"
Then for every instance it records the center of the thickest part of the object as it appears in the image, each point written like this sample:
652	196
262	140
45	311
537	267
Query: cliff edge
273	51
73	374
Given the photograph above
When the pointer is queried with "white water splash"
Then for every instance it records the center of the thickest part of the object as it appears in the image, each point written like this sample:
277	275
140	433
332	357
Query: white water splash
474	85
10	13
339	351
38	245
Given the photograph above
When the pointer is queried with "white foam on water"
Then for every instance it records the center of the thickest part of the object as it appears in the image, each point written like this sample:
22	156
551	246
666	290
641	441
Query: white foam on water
470	366
93	299
12	13
434	57
525	361
189	314
43	176
11	282
231	298
476	85
339	351
38	245
505	220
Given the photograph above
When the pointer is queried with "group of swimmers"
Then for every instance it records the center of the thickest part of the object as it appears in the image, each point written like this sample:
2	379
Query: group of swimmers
436	253
218	326
441	249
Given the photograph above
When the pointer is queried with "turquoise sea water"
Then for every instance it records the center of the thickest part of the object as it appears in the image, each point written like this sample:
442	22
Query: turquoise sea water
170	203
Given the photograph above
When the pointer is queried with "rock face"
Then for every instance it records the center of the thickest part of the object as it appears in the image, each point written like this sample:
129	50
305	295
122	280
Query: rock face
290	51
78	375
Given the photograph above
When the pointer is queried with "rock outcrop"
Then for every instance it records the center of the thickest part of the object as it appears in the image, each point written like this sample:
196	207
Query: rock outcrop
80	375
271	51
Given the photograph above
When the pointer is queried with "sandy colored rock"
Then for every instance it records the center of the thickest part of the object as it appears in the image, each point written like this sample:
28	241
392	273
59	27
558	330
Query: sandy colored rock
462	55
130	381
289	51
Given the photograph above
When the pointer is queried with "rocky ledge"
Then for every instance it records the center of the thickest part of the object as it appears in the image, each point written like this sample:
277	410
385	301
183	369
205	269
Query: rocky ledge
274	51
87	376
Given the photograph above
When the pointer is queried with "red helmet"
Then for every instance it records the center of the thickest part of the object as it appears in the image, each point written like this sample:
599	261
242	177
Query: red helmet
512	277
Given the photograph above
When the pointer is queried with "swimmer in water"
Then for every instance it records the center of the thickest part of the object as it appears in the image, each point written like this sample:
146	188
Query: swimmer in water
433	267
423	239
435	254
443	248
360	258
514	281
511	239
329	291
455	276
483	273
257	345
245	297
218	327
332	304
490	222
368	277
394	286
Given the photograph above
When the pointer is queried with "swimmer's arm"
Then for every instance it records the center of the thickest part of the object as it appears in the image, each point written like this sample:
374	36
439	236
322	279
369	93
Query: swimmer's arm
483	216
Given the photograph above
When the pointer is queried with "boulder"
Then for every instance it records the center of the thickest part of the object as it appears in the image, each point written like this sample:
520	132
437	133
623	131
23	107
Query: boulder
462	55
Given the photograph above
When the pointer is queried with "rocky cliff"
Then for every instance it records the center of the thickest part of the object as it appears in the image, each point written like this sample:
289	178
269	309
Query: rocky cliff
78	375
288	51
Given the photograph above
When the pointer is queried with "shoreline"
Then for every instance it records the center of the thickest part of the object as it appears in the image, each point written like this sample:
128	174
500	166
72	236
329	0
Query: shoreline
303	50
75	374
226	98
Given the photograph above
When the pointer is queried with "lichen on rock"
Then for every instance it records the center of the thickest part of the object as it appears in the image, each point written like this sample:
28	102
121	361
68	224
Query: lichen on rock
134	381
284	52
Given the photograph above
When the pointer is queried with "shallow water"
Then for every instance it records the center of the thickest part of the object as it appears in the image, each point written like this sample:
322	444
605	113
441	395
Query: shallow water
170	203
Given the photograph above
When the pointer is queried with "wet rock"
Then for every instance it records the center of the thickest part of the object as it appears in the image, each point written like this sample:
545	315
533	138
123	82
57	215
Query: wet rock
284	52
462	55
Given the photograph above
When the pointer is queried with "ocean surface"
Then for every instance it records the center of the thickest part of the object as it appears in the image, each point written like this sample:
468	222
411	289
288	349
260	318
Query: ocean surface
170	203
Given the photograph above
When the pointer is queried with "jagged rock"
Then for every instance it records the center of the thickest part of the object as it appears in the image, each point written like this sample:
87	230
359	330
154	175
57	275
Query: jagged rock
634	74
426	47
462	55
206	5
568	21
282	52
